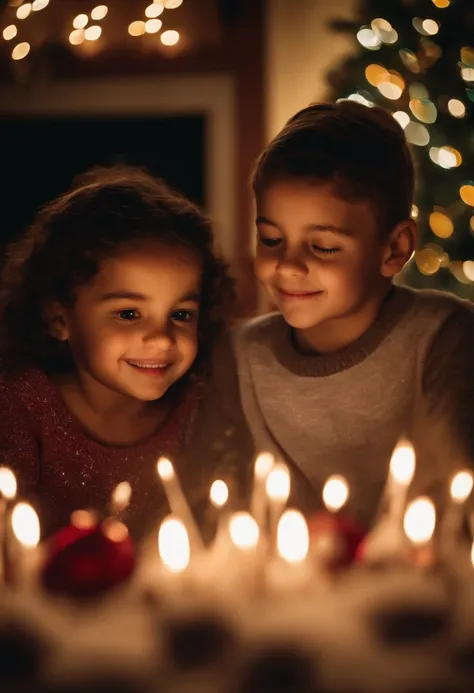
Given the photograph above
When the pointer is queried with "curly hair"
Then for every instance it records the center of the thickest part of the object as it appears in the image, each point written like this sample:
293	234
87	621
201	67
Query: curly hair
361	150
105	209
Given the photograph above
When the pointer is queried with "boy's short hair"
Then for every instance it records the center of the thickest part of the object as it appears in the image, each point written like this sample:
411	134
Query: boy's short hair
361	150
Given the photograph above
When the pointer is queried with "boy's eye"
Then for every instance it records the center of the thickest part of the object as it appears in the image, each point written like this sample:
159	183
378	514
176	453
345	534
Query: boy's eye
128	314
183	315
269	242
318	249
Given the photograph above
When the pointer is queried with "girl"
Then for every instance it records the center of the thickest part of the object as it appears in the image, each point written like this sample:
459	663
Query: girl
111	306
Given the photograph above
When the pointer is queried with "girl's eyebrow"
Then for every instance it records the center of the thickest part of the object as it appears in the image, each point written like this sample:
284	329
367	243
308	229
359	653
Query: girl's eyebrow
131	295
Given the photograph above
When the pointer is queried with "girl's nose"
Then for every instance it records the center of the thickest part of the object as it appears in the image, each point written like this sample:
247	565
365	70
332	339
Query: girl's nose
161	336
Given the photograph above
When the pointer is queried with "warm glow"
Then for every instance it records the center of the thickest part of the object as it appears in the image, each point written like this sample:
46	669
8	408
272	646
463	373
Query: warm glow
292	536
441	225
24	10
402	464
219	493
136	28
417	134
389	90
173	4
99	12
468	269
83	519
375	74
20	51
244	530
76	37
10	32
152	26
456	108
430	26
420	520
80	21
92	33
335	493
114	530
448	157
466	193
8	484
165	469
39	5
121	496
25	524
414	212
170	37
402	118
368	39
263	465
441	4
278	483
173	545
461	486
153	11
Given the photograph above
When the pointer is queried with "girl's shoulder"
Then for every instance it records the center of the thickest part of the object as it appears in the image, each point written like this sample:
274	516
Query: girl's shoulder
26	390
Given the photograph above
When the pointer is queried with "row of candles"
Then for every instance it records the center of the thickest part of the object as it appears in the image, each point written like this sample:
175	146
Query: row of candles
273	541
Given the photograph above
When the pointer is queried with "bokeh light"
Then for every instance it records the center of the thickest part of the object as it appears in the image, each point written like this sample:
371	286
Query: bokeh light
441	225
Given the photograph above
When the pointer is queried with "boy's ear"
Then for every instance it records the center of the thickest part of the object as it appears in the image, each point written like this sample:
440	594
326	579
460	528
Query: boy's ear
54	314
399	248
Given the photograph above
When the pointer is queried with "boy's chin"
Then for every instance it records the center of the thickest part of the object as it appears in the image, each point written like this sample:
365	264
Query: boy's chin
301	322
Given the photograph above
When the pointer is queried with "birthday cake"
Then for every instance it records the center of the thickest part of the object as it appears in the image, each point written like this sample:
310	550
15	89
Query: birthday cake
276	604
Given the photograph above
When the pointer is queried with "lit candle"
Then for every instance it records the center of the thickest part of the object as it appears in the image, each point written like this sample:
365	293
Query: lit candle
8	489
451	529
277	490
290	570
259	502
243	566
218	496
120	500
173	545
26	529
178	503
328	540
419	525
387	540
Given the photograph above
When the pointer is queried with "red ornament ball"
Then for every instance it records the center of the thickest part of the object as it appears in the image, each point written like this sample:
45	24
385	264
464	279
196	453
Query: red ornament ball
339	537
87	560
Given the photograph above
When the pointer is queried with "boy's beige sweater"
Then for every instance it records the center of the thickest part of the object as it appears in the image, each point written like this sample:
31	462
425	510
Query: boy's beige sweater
411	374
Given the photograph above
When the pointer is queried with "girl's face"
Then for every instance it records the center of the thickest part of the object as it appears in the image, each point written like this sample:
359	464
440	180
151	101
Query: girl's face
134	327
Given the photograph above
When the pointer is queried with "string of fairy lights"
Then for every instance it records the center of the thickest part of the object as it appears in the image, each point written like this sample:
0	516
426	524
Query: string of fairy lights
86	27
422	112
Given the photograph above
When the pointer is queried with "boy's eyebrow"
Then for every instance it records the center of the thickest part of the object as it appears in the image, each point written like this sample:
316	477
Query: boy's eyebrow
309	227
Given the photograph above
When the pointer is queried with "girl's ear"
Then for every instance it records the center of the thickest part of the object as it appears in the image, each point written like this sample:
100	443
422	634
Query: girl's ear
54	314
400	247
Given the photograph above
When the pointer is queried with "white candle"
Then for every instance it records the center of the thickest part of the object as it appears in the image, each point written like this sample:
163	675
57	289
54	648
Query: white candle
387	540
26	529
178	503
451	529
218	496
173	545
419	525
290	570
278	490
258	505
327	543
120	499
335	493
8	489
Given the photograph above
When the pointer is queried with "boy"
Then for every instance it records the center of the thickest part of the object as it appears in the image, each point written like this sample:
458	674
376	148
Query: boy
351	362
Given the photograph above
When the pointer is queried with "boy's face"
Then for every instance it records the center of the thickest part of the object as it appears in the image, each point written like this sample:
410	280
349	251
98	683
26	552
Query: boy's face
134	327
319	257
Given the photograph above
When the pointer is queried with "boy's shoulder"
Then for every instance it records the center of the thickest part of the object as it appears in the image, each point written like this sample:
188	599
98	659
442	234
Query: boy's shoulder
430	303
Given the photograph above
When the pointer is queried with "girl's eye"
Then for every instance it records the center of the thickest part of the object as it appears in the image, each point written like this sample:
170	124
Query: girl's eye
183	315
328	251
128	314
269	242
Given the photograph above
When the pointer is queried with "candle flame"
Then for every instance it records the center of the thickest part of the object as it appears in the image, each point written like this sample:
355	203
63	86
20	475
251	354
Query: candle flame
335	492
420	520
461	486
114	530
278	483
292	537
219	493
83	519
121	496
165	469
26	526
7	483
243	530
402	464
263	465
173	544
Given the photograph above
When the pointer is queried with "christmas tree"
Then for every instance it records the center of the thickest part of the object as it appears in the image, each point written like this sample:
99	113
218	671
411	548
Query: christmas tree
416	59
